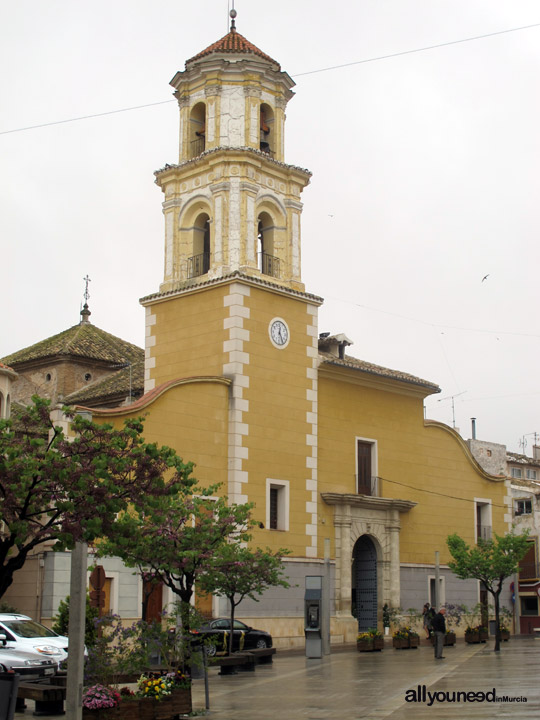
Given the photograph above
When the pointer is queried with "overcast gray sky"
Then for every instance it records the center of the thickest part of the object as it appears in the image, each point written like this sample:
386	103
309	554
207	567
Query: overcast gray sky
425	177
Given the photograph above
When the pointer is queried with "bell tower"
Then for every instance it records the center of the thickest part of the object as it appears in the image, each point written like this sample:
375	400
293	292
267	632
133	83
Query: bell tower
232	204
232	304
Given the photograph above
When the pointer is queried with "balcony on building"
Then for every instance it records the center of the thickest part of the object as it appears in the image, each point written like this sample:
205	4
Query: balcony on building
528	571
269	265
368	485
483	532
198	265
265	148
197	147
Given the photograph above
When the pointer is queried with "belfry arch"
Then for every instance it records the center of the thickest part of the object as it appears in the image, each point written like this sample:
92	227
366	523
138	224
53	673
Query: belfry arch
197	130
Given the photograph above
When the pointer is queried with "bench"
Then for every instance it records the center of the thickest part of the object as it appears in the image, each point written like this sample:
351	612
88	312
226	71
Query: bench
49	698
263	656
230	664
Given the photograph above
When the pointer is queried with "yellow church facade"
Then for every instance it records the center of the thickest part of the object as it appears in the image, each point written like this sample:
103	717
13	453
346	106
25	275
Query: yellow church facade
334	452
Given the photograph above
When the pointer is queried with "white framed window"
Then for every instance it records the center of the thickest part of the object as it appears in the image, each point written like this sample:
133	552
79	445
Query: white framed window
431	591
277	504
523	507
483	519
516	472
531	474
366	466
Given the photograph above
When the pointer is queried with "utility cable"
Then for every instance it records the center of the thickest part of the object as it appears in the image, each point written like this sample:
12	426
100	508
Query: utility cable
308	72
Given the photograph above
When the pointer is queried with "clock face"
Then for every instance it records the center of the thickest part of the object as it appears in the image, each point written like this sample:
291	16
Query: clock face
279	333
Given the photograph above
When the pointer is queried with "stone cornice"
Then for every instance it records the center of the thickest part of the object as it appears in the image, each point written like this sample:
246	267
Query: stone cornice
151	396
237	276
253	153
359	375
470	457
369	502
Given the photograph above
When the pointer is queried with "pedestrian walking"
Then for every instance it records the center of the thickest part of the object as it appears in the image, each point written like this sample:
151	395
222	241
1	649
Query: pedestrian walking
428	613
438	625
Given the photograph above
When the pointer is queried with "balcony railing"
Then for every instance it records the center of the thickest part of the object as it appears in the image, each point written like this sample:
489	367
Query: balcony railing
265	148
198	265
367	486
528	571
483	532
197	147
269	265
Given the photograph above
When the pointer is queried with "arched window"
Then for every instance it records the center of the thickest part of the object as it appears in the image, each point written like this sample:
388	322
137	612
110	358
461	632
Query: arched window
2	406
197	130
266	136
199	263
268	263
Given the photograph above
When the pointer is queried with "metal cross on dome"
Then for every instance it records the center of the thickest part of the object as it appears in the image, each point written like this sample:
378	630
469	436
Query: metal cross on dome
86	293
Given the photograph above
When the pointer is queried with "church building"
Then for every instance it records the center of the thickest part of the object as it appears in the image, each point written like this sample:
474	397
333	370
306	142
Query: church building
334	451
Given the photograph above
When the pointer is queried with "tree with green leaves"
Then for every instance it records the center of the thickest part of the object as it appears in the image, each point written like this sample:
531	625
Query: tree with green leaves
237	572
61	621
491	562
176	540
59	489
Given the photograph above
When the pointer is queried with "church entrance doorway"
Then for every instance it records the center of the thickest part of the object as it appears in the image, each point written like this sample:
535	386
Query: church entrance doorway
364	583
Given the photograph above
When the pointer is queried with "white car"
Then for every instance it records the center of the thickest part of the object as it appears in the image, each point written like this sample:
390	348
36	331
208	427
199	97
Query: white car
23	633
29	665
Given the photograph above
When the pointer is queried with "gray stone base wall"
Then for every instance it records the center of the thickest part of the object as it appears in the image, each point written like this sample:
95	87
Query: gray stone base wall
415	582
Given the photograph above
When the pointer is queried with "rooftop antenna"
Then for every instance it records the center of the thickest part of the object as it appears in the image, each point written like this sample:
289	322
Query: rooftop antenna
451	397
523	441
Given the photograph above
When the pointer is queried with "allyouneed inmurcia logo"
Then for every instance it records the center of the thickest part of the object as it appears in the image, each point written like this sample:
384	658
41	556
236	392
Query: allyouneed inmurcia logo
422	695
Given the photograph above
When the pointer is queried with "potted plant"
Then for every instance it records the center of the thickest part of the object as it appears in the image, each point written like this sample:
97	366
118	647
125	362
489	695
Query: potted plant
505	618
364	642
99	702
389	616
370	640
472	634
483	633
405	637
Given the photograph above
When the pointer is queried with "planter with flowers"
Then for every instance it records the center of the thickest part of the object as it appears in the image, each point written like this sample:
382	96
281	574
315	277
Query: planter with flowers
483	632
405	637
120	655
450	638
472	635
100	702
158	697
370	640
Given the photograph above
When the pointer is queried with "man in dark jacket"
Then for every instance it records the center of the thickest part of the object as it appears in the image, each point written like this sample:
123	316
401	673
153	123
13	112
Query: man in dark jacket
438	625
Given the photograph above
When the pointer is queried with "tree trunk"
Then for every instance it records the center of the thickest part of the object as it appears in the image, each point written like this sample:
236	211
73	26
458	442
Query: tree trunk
233	608
497	626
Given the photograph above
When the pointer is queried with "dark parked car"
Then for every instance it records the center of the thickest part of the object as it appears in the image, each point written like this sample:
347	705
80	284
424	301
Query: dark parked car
245	637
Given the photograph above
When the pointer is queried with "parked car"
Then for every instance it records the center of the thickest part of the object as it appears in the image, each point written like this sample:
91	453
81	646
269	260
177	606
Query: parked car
31	665
244	638
23	633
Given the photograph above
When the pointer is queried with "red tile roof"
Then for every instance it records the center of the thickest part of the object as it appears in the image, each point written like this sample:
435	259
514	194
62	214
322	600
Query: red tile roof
233	43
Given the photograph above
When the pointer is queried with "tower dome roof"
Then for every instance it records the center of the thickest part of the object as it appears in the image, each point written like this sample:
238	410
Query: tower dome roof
232	44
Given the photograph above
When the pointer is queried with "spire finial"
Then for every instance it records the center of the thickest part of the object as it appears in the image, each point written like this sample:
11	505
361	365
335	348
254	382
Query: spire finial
233	15
85	312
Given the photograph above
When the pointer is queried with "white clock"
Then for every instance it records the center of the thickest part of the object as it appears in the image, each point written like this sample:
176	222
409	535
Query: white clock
279	333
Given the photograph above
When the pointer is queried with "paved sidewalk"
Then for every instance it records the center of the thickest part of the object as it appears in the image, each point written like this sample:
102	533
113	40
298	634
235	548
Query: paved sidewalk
348	685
